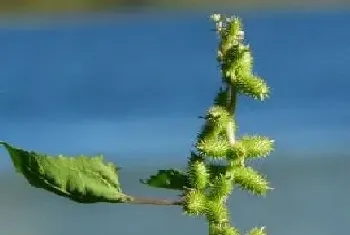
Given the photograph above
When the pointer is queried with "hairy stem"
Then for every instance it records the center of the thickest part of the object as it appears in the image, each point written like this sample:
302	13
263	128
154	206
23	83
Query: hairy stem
231	98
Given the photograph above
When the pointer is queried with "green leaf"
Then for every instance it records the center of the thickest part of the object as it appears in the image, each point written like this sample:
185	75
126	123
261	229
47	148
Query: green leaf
81	179
169	179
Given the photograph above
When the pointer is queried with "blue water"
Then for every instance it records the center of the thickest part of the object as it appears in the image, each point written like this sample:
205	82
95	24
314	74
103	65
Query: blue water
131	87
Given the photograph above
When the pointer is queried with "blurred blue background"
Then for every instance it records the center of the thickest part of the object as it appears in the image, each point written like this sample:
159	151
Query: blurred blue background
131	86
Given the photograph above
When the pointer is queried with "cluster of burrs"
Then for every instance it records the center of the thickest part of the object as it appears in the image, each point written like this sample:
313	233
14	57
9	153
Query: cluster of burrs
218	162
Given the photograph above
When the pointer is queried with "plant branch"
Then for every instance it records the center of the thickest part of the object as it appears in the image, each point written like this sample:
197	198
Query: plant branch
155	201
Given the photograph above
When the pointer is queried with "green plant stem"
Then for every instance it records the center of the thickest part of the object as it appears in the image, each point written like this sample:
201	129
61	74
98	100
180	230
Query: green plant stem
231	95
